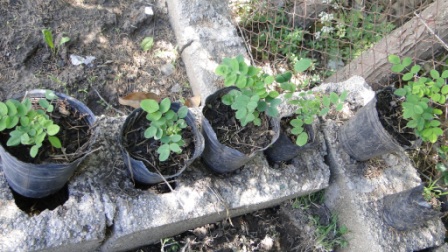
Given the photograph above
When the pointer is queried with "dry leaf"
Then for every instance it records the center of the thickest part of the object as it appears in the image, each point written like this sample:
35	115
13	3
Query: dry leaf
193	102
134	99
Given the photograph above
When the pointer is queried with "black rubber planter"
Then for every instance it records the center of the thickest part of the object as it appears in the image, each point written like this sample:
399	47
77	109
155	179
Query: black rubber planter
408	209
40	180
284	149
364	137
219	157
136	166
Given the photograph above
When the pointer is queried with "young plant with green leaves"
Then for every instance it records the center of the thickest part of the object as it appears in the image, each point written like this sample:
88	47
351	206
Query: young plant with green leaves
309	104
166	126
423	98
48	38
252	96
30	124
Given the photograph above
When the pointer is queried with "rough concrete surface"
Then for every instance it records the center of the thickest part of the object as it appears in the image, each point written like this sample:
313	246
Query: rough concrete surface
205	36
356	192
106	211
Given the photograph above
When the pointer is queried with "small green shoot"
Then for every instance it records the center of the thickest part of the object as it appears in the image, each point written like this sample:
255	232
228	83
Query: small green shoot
252	96
309	105
147	43
48	38
30	126
431	190
423	98
166	126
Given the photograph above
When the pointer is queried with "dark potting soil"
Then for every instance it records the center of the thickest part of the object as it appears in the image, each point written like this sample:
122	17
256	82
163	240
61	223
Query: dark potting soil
74	134
33	206
390	114
145	149
230	132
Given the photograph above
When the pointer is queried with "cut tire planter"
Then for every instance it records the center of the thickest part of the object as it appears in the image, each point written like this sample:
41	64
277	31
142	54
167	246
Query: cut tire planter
284	149
408	209
40	180
363	136
221	158
136	168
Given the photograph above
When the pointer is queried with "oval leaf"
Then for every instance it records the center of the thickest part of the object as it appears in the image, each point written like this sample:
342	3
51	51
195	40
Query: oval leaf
55	141
52	129
165	105
149	105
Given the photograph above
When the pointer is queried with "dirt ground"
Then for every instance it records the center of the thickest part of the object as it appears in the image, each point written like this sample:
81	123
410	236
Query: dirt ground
111	31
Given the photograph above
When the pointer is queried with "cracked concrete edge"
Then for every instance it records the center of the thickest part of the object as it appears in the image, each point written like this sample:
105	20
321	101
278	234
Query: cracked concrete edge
206	35
357	200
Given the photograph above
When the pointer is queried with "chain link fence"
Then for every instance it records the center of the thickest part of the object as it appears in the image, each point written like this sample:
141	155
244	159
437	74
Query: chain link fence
343	37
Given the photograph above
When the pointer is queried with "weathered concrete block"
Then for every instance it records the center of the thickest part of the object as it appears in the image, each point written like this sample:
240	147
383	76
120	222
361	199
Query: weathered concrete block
356	192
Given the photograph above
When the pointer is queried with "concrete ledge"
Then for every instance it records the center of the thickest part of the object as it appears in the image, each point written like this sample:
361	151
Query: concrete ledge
356	192
106	212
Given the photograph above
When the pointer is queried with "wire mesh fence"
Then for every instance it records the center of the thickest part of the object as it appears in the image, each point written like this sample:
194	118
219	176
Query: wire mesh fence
344	37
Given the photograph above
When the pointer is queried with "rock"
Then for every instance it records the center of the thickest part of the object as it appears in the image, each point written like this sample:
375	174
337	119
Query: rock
176	88
137	17
167	69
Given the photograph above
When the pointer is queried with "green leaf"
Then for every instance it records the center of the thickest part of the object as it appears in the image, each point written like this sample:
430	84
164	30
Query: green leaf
445	74
272	111
268	80
149	105
13	140
408	76
400	92
48	38
230	80
406	61
50	95
3	124
324	111
40	137
155	116
284	77
302	65
24	121
243	68
412	124
434	74
3	109
174	147
302	139
444	90
397	68
221	70
182	112
334	97
234	64
165	105
241	82
418	110
415	69
34	150
434	123
164	152
273	94
55	142
64	40
25	139
44	103
11	122
297	131
12	110
241	113
253	71
339	107
150	132
394	59
343	96
53	129
288	86
175	138
296	123
147	43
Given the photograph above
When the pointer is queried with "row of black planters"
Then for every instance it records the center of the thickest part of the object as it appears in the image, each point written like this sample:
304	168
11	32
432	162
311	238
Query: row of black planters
362	137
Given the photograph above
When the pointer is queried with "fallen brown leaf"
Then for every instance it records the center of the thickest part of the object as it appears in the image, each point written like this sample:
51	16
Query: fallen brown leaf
193	102
134	99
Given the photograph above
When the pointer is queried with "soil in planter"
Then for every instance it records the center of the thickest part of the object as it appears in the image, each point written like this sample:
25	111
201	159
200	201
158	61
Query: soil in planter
160	188
145	149
230	132
391	117
35	206
74	133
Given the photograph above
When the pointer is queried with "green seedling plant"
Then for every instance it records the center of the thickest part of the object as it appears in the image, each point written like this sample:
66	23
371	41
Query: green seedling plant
309	104
252	96
442	166
166	126
30	124
48	38
147	43
431	190
422	98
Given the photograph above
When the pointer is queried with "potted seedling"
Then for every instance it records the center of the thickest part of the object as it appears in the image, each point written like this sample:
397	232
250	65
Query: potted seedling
159	140
240	119
398	118
43	137
297	131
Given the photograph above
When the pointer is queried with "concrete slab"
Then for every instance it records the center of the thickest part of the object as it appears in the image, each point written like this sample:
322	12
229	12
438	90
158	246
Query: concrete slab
356	191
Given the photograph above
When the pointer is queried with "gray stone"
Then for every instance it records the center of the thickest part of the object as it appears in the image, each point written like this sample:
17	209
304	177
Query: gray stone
167	69
356	192
205	35
136	17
